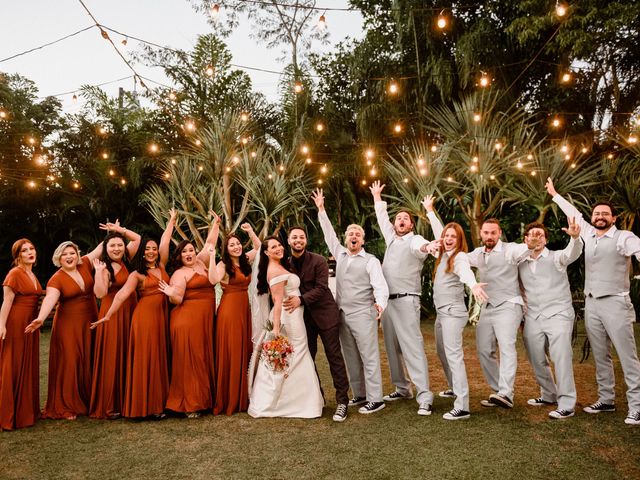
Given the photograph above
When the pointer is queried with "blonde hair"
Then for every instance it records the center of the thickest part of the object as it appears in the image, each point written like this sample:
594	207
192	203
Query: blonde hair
355	226
60	248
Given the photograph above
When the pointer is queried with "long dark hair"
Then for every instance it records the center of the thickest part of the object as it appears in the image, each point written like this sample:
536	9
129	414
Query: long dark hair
245	266
263	284
176	261
138	262
104	256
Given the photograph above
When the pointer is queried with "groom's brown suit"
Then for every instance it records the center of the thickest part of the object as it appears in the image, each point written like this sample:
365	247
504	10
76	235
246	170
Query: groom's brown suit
322	317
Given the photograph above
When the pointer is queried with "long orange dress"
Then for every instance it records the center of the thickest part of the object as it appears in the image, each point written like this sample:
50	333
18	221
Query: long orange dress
233	346
110	353
19	355
191	327
147	383
69	383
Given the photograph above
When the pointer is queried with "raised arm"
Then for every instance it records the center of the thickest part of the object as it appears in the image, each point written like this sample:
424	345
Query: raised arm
212	238
330	237
176	287
568	209
50	299
125	292
436	225
165	240
255	241
382	216
573	250
7	303
132	238
101	276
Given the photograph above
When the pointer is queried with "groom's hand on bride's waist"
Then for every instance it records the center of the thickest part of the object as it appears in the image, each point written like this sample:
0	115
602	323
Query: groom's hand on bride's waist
291	303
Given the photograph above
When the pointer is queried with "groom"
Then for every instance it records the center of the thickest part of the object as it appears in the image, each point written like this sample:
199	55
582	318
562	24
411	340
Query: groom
321	314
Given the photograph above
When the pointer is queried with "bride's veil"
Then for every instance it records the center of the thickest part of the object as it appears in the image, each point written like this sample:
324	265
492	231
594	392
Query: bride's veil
259	317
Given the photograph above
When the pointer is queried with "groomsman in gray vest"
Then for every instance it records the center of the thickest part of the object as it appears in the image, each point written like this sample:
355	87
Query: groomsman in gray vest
361	294
609	314
549	316
402	268
500	317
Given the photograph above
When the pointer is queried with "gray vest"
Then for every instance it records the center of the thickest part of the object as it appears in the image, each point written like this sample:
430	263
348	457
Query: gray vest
606	271
354	292
447	287
402	270
500	276
548	292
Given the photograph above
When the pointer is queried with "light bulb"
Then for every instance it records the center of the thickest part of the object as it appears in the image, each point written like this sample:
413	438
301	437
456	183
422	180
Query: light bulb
492	177
561	9
304	149
209	71
369	153
319	127
363	182
393	87
632	139
556	122
423	171
477	117
297	87
566	77
111	173
190	126
215	11
475	159
3	114
564	148
308	161
123	181
153	148
172	96
442	22
244	116
322	23
484	81
473	168
319	181
397	128
323	169
498	146
519	165
434	148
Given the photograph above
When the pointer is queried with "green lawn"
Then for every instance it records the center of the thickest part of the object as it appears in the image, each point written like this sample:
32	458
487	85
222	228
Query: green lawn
394	443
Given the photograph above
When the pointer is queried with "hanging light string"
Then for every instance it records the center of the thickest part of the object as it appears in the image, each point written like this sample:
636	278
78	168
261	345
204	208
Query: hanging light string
237	3
106	36
48	44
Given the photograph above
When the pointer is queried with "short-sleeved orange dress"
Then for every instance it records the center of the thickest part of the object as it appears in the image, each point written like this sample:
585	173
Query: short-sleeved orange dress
19	355
69	385
110	353
233	346
191	328
147	383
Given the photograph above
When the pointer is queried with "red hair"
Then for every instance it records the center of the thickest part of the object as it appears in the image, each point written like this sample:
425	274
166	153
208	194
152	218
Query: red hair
461	246
17	247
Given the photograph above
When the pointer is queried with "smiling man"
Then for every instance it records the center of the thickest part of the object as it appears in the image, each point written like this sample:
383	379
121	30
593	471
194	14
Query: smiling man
362	294
321	314
402	268
609	313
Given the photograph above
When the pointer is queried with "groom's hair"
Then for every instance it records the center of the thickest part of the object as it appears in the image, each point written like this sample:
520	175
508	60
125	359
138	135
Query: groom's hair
297	227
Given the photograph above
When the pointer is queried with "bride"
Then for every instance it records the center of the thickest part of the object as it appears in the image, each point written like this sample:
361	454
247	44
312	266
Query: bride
296	392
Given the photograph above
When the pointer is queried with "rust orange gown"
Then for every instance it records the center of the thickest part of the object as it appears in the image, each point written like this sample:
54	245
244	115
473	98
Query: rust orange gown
19	355
233	346
69	386
147	384
191	328
110	353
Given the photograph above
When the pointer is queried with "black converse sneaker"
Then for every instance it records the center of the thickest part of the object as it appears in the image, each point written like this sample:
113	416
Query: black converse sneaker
500	400
539	402
341	413
559	414
600	407
396	395
447	394
371	407
456	414
357	401
633	418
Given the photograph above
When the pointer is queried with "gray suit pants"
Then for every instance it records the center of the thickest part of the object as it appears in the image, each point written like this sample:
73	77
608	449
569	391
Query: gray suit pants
450	323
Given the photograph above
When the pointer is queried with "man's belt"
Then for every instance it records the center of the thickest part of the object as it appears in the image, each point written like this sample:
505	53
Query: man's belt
393	296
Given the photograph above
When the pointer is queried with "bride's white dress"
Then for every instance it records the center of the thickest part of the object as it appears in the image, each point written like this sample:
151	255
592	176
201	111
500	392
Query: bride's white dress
297	395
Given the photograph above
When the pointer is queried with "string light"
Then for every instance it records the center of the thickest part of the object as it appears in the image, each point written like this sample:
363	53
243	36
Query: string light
564	148
610	156
397	128
190	126
76	185
533	173
308	161
40	160
555	122
449	179
363	182
322	23
172	96
297	87
228	169
123	181
434	148
198	142
102	130
632	139
477	117
442	21
519	165
104	155
473	168
423	171
369	153
173	161
254	154
235	160
153	148
74	98
498	146
475	159
567	157
393	88
319	181
484	80
209	71
369	163
31	184
561	9
200	168
3	114
281	168
405	180
167	176
573	165
31	141
244	140
566	77
244	116
304	149
373	172
112	173
323	169
584	150
215	11
530	157
420	160
319	127
492	177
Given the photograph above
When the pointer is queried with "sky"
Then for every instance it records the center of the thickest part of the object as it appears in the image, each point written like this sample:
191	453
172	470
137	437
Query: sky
87	59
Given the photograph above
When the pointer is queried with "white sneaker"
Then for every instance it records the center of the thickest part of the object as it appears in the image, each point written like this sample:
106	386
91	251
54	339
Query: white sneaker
396	395
425	409
456	414
633	418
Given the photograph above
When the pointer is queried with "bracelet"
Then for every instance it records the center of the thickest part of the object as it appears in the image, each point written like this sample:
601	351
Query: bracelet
124	232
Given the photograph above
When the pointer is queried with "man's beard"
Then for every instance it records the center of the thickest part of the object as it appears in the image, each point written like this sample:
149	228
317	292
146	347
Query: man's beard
601	226
297	249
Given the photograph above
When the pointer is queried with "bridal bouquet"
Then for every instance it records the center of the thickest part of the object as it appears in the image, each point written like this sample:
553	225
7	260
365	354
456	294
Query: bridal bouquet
276	353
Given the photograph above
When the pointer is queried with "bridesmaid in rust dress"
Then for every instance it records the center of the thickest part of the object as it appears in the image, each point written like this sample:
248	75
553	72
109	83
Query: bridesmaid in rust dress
191	328
19	350
233	345
112	338
147	378
69	384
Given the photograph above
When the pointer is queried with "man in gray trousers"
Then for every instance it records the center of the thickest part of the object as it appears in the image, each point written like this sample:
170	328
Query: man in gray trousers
500	317
609	314
361	294
402	268
549	316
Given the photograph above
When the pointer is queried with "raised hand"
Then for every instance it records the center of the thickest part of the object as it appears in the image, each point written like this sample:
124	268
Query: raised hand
479	293
376	190
110	226
573	230
246	227
318	198
32	327
99	265
172	215
432	247
428	202
215	217
165	288
551	190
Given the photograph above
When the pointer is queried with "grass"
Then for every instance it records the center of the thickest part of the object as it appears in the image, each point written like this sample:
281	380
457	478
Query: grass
394	443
